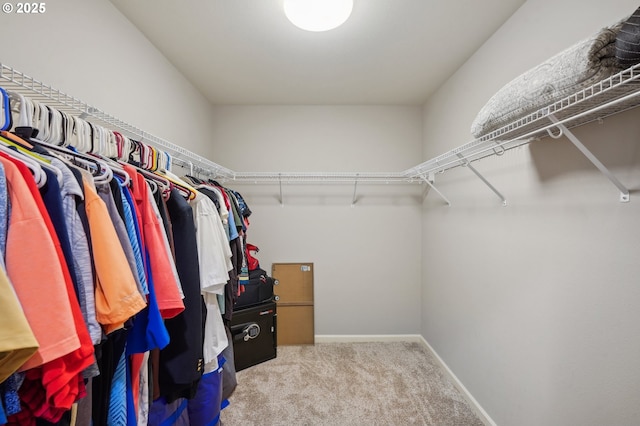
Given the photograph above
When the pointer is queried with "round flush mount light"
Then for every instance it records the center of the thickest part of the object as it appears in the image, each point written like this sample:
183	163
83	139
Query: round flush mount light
318	15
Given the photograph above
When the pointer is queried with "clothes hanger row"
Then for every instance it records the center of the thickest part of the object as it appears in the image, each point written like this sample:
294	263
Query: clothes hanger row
85	144
59	128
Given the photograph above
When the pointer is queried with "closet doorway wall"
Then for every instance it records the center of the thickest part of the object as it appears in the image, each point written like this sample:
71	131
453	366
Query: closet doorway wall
294	303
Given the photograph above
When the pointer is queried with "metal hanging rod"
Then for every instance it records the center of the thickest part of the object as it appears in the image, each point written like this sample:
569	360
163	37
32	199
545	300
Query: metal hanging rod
323	177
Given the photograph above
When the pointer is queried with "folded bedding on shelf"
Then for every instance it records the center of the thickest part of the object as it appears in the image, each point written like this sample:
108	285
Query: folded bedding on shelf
580	66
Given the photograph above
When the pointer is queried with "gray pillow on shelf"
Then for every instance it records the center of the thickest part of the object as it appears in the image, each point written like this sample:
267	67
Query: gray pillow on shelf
628	41
579	66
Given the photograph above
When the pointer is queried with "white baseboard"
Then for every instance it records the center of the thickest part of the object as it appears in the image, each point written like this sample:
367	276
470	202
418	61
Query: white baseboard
475	406
349	338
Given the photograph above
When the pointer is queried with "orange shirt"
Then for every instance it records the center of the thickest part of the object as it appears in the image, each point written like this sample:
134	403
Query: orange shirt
117	295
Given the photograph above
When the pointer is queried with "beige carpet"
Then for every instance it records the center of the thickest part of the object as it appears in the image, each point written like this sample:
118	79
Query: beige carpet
343	384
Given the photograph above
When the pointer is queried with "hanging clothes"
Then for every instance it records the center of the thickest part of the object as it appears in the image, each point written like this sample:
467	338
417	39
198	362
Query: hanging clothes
17	342
181	362
117	296
166	284
142	283
49	391
214	256
71	192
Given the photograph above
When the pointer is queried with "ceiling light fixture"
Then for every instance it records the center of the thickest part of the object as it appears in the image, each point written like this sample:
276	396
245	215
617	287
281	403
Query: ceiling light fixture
318	15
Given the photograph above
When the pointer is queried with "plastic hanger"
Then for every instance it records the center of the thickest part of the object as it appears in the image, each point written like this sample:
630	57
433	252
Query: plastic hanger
160	180
23	108
36	168
187	190
55	129
168	182
39	176
68	128
6	110
101	172
153	185
116	169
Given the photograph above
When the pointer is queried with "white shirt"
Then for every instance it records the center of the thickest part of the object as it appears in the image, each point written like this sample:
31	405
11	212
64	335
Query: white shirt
214	253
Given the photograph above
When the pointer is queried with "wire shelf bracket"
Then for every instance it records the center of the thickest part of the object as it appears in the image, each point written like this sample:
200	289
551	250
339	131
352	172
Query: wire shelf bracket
467	163
624	192
430	183
355	188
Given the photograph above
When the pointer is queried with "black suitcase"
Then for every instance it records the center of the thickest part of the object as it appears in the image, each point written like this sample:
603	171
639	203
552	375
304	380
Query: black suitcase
258	290
253	332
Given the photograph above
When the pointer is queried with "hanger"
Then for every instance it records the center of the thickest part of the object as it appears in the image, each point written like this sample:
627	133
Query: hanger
6	110
19	143
189	192
116	169
196	180
42	124
101	172
169	182
153	185
169	161
33	160
68	125
55	130
23	108
39	175
161	181
134	156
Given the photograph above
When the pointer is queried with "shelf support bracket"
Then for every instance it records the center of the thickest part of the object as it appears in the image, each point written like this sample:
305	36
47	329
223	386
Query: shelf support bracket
435	189
280	181
624	192
355	187
467	163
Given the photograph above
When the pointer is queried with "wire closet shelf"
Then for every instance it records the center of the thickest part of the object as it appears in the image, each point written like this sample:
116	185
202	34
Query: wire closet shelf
13	80
610	96
613	95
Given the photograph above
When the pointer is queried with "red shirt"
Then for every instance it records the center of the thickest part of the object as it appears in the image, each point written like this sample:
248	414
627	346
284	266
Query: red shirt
168	296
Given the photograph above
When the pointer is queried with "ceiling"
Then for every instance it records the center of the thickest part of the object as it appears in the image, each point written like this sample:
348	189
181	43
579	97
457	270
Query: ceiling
247	52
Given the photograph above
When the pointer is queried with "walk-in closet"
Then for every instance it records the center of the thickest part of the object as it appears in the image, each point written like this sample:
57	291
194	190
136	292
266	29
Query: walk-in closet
424	213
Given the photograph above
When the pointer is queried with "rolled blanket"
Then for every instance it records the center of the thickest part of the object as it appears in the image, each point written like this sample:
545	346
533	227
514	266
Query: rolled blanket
580	66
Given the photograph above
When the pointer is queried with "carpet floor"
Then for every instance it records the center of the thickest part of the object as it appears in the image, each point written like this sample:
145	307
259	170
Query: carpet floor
348	384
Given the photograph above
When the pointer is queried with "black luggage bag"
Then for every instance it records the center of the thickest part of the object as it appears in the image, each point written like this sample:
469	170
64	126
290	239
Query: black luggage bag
253	332
258	290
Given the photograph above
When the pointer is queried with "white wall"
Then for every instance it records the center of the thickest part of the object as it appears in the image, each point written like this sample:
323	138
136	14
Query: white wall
88	49
366	258
534	306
